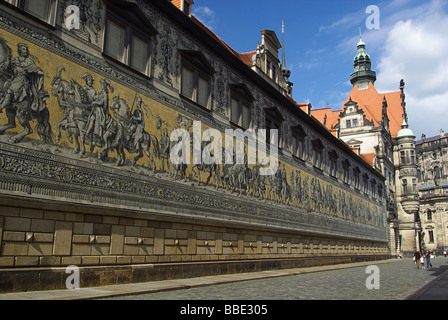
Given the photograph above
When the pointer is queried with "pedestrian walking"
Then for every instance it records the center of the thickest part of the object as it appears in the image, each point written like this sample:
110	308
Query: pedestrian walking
422	262
444	253
417	258
428	260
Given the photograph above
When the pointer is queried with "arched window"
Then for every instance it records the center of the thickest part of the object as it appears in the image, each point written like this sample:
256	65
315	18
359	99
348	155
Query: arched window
429	215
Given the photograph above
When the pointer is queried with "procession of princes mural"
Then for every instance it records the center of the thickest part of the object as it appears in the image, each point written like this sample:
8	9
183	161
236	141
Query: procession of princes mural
101	125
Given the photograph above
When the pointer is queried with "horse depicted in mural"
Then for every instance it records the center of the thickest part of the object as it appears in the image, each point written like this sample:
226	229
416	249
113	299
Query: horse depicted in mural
212	168
22	93
257	182
119	134
76	104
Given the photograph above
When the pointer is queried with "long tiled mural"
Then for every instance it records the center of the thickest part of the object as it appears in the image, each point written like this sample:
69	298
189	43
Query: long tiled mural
77	130
66	128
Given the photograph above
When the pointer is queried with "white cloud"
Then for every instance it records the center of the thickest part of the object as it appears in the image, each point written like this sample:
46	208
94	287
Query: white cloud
205	15
416	50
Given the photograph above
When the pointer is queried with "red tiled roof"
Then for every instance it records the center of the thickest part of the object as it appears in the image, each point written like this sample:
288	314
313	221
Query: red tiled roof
247	57
368	157
371	102
177	3
332	116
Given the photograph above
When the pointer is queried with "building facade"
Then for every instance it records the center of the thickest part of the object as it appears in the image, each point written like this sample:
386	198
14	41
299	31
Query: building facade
87	178
432	159
375	125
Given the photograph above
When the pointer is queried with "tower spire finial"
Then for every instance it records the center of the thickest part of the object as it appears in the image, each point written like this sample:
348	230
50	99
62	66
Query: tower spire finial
283	44
360	33
285	71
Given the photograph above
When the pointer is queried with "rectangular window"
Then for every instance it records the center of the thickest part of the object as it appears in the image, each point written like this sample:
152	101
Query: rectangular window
346	172
355	123
297	145
203	91
236	115
356	178
127	45
38	8
333	166
187	82
246	116
115	43
412	157
272	132
241	112
44	10
348	123
431	236
139	50
405	186
403	157
195	83
380	193
317	157
268	126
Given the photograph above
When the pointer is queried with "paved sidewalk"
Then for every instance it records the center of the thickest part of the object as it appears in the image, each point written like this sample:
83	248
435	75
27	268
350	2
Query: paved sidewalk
437	289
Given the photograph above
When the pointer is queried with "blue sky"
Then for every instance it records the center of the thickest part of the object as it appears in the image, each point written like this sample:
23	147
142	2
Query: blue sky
321	38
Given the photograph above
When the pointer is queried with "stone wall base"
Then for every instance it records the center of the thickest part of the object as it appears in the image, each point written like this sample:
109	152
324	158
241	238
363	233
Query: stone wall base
40	279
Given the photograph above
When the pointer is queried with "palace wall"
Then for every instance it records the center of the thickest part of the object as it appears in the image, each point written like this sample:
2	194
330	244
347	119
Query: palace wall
124	222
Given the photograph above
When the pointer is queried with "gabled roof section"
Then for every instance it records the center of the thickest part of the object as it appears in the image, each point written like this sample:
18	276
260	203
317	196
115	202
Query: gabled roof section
247	57
326	116
368	157
371	102
274	113
198	59
130	10
242	90
177	3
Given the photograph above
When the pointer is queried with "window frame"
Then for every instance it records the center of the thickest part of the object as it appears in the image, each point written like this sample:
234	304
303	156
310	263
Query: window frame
333	163
298	142
196	63
318	154
404	185
140	29
273	116
356	178
240	94
51	15
346	172
431	236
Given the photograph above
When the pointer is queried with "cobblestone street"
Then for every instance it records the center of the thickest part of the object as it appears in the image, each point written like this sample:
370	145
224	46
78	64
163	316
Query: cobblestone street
398	279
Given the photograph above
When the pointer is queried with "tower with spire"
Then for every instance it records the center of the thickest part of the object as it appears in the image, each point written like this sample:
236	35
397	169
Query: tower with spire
362	64
285	71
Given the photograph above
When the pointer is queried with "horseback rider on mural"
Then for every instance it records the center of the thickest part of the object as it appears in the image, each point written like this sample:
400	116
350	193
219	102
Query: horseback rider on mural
137	126
27	81
99	116
25	91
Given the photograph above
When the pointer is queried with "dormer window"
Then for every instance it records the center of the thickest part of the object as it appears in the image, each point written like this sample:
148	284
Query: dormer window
186	6
298	142
241	106
273	123
346	171
356	176
128	37
44	10
196	76
318	152
333	163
